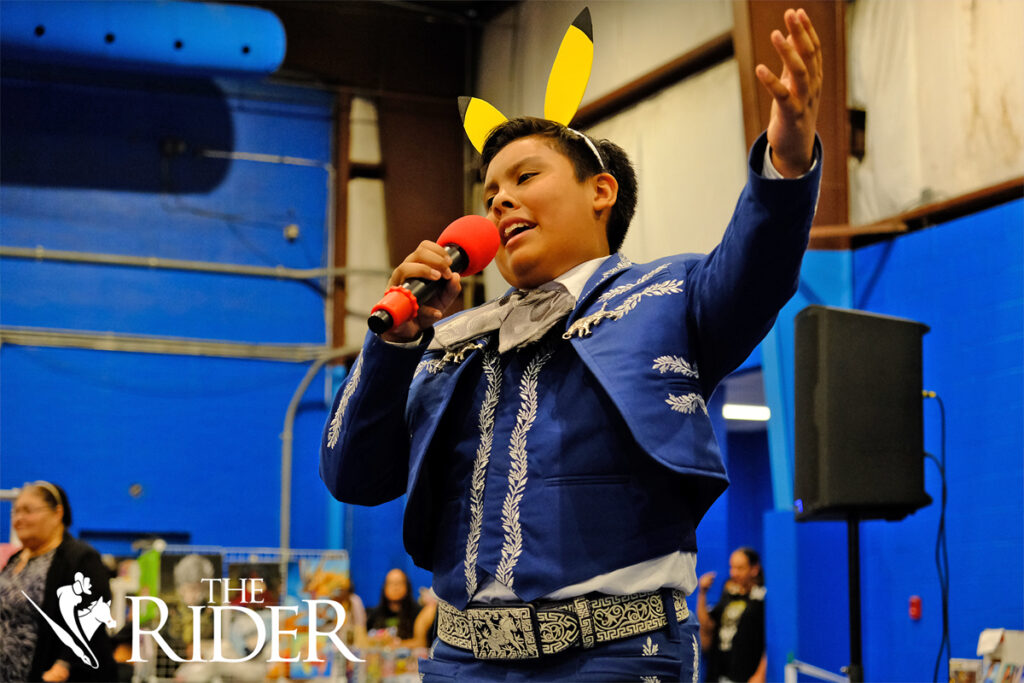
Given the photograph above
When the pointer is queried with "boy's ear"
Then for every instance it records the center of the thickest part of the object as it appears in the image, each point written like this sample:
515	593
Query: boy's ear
606	191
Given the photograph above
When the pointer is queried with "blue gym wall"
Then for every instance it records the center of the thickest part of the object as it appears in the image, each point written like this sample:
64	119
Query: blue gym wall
83	170
965	279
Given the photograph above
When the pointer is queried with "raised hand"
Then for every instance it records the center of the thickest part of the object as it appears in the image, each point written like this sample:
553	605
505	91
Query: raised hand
795	95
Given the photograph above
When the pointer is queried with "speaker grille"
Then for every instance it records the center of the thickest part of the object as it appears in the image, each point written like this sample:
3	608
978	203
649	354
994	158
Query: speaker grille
859	415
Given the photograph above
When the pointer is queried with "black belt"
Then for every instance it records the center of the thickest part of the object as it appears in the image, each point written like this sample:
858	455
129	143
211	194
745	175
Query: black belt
528	630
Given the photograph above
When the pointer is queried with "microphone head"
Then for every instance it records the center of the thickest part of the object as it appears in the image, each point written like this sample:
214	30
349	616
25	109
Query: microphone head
477	236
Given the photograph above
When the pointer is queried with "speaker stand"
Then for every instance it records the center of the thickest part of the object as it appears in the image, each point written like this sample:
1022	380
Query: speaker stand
856	668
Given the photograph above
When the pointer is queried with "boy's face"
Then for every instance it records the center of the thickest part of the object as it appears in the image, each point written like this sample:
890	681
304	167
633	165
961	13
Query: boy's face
547	220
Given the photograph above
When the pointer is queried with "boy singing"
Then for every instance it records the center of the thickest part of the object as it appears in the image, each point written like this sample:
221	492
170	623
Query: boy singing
554	443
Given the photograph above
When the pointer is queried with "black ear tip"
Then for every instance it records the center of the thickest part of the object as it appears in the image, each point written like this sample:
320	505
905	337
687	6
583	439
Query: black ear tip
583	23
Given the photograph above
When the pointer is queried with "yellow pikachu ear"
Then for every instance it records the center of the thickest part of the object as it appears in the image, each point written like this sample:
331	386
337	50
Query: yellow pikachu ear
571	71
479	118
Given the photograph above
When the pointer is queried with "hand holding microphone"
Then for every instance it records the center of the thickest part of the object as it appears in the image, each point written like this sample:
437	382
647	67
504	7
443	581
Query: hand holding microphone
427	281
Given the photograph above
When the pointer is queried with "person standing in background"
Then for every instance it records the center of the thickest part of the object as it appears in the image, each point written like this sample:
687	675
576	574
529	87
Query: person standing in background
60	577
732	633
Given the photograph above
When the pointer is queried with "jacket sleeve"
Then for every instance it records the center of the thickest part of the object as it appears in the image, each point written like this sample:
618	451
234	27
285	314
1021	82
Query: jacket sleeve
736	291
364	452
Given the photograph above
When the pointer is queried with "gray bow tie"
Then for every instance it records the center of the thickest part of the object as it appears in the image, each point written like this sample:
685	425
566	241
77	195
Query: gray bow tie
521	318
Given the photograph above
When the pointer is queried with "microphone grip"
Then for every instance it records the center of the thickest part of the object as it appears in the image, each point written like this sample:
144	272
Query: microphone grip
398	307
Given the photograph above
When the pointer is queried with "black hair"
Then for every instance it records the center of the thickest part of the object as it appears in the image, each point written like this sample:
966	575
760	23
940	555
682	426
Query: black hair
407	610
574	146
755	561
62	499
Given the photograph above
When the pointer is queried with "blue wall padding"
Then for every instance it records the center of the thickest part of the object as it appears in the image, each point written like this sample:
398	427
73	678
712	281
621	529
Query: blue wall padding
750	491
198	39
201	435
965	279
780	546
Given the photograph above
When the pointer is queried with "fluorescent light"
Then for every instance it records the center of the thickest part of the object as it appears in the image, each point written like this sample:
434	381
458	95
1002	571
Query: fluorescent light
739	411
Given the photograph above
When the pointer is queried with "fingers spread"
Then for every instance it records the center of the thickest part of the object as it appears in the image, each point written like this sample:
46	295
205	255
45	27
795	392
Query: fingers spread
771	82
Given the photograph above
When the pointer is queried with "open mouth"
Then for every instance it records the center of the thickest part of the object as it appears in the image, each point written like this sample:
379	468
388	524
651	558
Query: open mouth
514	229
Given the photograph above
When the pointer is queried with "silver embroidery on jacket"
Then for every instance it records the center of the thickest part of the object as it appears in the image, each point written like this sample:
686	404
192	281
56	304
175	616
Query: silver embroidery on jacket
687	403
454	355
678	364
431	365
335	429
622	264
584	325
513	543
615	291
459	353
492	370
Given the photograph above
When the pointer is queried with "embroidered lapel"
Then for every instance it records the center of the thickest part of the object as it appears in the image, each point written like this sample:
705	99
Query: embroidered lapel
622	263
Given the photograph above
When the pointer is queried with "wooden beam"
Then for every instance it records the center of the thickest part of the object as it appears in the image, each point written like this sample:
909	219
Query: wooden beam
753	22
421	152
847	236
965	204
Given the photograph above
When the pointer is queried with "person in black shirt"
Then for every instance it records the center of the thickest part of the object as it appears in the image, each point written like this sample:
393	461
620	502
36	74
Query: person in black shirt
396	608
732	633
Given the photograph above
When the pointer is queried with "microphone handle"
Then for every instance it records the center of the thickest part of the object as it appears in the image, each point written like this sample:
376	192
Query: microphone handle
380	321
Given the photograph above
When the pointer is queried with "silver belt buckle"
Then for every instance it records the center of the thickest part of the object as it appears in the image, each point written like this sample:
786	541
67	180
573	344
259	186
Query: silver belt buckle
503	632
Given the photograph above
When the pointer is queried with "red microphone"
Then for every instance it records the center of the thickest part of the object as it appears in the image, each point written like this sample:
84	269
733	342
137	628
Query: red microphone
471	242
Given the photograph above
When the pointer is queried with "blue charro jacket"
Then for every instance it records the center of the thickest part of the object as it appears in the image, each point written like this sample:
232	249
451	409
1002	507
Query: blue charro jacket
657	337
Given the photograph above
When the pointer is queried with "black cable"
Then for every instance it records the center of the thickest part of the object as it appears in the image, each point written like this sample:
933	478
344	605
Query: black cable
941	547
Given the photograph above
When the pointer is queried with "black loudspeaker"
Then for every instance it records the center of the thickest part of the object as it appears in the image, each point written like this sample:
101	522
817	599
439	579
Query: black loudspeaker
859	416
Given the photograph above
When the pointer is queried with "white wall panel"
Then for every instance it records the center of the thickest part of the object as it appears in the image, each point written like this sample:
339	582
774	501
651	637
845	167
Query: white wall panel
942	82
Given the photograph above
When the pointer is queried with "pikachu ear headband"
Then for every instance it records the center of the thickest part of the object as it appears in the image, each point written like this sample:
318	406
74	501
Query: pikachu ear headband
566	85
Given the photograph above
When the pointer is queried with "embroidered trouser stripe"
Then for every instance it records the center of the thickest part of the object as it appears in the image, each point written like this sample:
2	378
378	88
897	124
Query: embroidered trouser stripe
492	370
512	547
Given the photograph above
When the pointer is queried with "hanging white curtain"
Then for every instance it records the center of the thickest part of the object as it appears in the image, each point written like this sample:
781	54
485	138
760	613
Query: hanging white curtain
942	82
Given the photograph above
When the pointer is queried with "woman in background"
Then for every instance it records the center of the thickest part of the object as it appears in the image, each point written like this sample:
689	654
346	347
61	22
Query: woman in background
62	578
396	608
